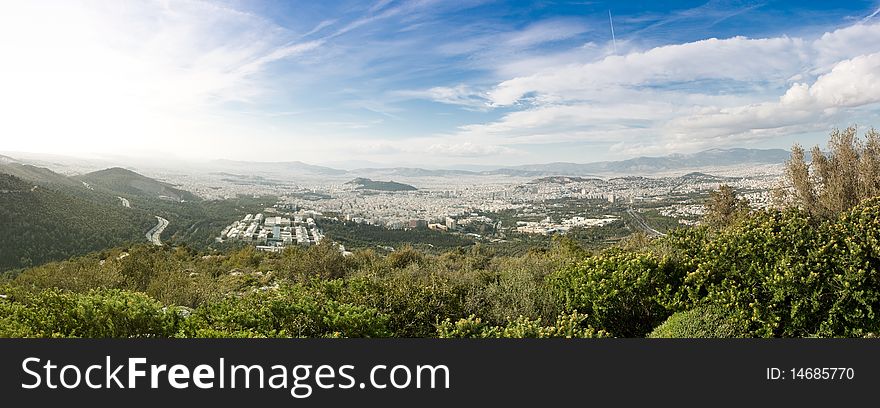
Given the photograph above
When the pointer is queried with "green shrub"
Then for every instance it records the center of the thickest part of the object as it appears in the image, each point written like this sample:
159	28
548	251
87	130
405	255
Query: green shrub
702	322
294	311
566	326
96	314
623	293
792	276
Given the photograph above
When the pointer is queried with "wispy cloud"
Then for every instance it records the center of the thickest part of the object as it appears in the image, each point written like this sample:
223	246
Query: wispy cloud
350	79
461	95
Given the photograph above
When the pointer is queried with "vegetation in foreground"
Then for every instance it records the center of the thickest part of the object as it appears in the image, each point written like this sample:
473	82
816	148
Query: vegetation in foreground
794	271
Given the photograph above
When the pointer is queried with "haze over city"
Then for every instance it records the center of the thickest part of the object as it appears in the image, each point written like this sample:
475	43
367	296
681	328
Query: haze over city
432	83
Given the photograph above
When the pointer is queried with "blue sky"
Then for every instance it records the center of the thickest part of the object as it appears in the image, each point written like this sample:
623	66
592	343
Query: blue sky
432	83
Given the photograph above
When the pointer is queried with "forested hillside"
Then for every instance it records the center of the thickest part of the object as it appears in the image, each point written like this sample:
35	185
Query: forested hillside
62	217
127	183
40	224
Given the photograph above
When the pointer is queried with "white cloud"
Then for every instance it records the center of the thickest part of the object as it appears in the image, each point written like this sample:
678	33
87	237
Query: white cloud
851	83
462	95
544	32
844	43
737	58
700	94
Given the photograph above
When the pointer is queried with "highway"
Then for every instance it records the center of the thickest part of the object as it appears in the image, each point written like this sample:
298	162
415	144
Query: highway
154	233
643	225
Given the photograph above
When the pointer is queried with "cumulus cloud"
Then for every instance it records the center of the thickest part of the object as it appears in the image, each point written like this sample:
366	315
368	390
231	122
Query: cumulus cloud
767	59
851	83
693	95
844	43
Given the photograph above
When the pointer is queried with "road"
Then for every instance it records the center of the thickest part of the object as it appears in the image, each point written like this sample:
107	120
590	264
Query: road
125	202
154	233
643	225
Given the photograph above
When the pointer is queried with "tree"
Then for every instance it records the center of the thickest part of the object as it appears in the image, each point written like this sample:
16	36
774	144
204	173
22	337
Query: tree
835	181
724	208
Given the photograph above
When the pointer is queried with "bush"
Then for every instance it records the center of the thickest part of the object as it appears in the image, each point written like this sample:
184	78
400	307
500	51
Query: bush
623	293
405	256
294	311
702	322
566	326
96	314
790	276
414	299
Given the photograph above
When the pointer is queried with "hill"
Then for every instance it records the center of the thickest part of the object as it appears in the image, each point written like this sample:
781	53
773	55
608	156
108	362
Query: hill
35	174
367	184
41	224
127	183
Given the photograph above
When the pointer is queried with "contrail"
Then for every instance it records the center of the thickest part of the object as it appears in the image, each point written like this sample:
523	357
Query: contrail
865	20
614	40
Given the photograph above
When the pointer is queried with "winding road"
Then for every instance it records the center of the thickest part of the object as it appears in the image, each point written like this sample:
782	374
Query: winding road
154	233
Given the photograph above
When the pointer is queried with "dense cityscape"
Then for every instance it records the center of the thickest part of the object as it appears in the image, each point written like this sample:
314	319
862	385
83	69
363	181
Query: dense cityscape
502	204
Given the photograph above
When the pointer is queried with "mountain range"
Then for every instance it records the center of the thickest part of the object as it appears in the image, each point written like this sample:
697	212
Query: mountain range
636	166
642	165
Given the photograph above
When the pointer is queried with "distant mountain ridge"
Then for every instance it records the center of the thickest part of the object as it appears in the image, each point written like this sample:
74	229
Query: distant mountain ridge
635	166
277	167
712	157
638	165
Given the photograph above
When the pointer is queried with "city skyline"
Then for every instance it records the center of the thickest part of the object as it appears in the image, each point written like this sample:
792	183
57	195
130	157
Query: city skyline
393	82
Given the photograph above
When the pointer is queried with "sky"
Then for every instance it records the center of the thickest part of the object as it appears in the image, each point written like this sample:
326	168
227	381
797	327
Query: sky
432	83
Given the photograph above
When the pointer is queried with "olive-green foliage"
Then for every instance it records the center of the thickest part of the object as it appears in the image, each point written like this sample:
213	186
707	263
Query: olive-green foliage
566	326
413	299
323	260
95	314
789	277
623	293
405	256
291	311
701	322
171	275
